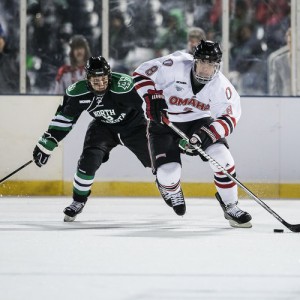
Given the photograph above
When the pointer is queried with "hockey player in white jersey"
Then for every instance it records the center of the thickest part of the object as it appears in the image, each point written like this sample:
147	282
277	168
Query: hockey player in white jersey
201	102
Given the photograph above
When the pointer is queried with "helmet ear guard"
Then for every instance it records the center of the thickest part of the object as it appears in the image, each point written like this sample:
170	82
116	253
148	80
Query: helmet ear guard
97	66
210	52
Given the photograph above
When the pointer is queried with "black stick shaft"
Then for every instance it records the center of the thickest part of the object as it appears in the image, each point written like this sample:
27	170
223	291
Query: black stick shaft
16	171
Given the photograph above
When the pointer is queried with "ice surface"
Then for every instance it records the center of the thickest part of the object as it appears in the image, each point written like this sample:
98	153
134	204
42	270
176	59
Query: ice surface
138	249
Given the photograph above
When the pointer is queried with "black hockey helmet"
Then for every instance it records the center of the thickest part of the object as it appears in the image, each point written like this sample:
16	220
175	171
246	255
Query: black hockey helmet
208	50
211	53
97	66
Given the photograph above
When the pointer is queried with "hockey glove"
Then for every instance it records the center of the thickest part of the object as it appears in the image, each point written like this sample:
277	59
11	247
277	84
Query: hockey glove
155	105
43	149
186	148
203	138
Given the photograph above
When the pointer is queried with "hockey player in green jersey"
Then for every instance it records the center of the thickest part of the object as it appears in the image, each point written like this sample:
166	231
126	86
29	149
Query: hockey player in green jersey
110	98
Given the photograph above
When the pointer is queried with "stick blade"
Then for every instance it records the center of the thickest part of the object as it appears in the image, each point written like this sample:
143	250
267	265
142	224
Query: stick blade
294	228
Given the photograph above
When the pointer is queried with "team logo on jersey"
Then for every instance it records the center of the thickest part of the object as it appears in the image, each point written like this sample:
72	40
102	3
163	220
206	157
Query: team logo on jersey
174	100
124	82
71	87
168	62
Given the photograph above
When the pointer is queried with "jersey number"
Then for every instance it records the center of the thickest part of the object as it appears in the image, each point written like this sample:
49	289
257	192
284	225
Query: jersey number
151	70
228	93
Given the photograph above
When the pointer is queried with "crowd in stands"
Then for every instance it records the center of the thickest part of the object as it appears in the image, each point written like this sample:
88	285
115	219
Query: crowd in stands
141	30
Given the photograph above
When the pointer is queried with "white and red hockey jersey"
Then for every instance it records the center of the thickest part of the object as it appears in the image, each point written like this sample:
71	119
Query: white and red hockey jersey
172	74
67	75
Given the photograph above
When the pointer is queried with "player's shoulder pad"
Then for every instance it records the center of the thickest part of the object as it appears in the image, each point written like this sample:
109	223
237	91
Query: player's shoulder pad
121	83
77	89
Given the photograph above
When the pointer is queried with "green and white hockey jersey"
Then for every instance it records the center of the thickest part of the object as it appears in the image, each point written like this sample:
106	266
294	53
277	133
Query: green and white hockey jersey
120	107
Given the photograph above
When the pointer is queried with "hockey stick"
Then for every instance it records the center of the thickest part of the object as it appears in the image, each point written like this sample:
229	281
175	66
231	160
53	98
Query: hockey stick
15	171
292	227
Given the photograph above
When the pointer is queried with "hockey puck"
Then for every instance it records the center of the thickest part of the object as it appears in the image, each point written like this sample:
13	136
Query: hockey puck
278	230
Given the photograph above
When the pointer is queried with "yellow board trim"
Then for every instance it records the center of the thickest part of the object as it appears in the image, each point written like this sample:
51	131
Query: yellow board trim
142	189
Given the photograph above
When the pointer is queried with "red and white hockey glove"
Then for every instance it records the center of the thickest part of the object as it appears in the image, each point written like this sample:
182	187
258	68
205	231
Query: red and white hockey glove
155	105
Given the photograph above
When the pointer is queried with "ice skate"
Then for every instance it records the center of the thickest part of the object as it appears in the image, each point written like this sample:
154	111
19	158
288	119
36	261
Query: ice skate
236	217
173	200
73	210
178	203
165	195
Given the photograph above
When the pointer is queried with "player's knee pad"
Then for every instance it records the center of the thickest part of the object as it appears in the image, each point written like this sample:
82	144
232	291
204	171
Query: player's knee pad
221	154
169	173
225	186
91	159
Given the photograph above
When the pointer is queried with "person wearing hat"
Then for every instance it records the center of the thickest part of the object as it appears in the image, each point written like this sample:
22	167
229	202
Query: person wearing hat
74	71
195	35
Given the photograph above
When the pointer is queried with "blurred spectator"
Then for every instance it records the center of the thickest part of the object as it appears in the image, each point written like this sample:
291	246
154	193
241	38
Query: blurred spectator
241	14
44	46
121	41
279	67
74	70
143	18
9	68
215	15
194	37
274	18
201	10
248	60
172	36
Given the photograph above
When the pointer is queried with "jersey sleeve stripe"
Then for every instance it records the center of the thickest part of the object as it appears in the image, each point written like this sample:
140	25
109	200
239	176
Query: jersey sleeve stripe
232	119
60	124
225	126
63	118
142	81
228	122
214	131
143	84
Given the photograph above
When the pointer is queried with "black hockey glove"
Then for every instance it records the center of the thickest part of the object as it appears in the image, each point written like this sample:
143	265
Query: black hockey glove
155	105
203	138
43	149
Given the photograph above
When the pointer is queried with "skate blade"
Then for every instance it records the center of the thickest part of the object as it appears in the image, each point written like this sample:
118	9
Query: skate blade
69	219
238	225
